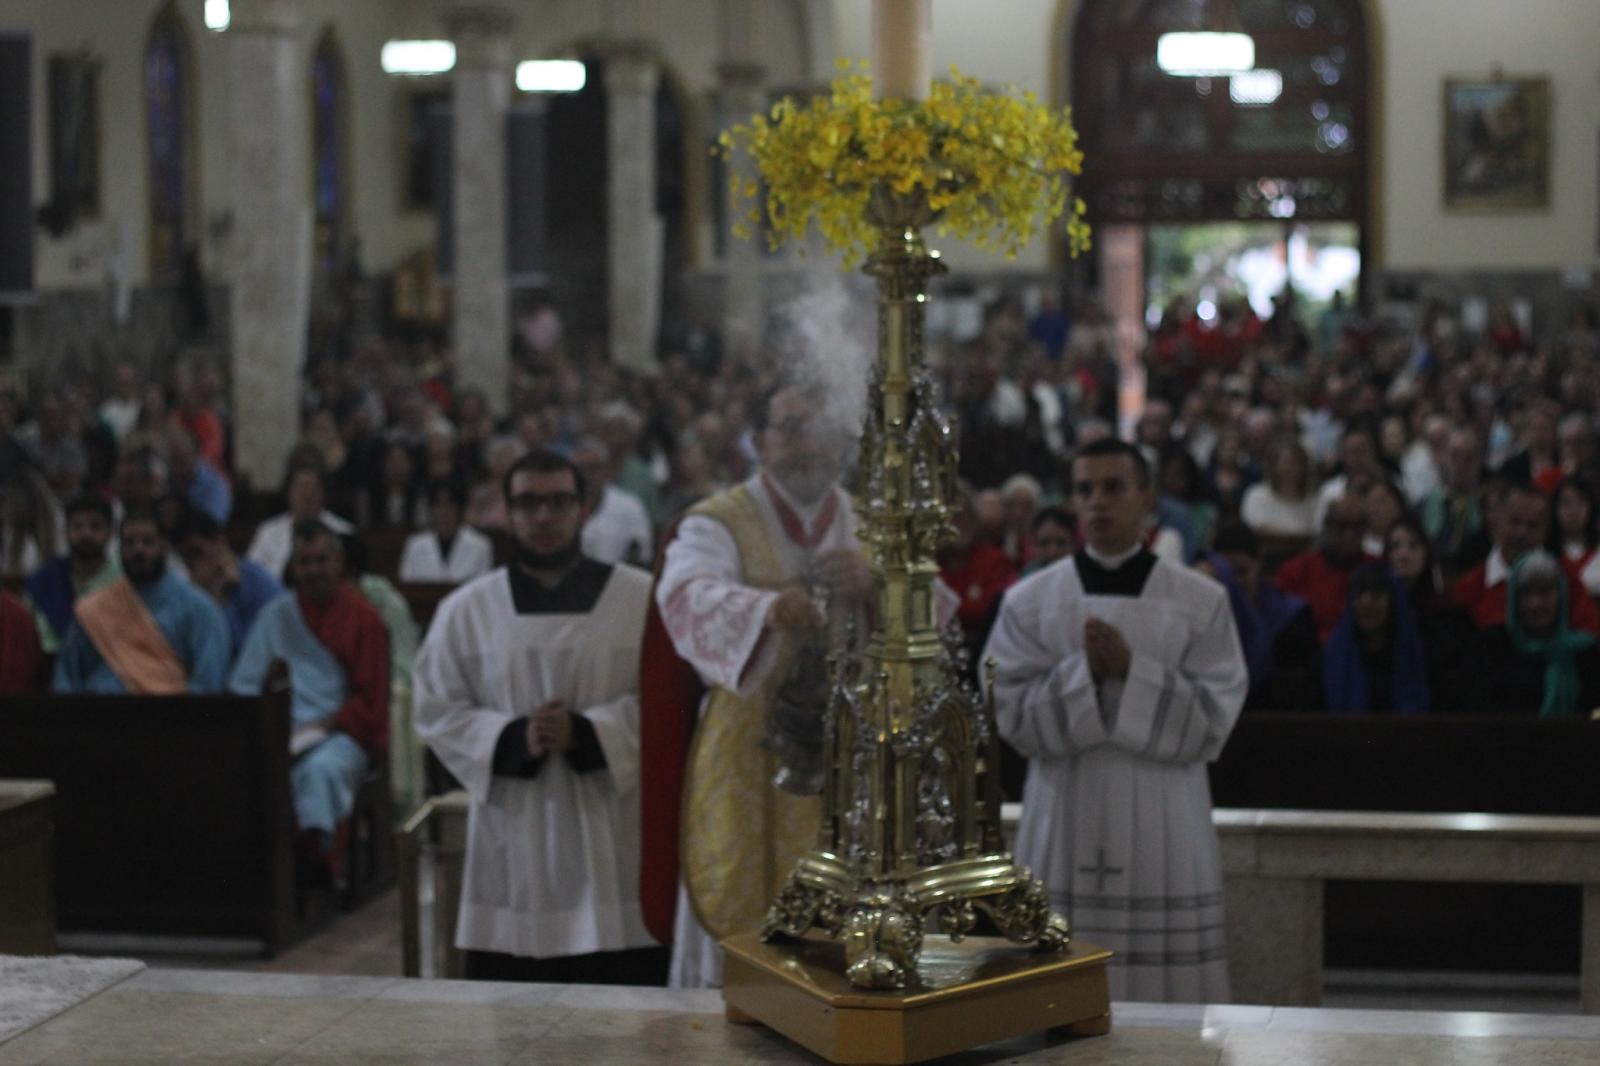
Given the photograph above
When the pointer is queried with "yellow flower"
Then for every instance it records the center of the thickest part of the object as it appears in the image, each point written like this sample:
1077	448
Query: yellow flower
994	165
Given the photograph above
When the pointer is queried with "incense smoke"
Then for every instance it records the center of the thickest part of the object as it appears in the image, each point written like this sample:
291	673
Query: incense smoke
828	342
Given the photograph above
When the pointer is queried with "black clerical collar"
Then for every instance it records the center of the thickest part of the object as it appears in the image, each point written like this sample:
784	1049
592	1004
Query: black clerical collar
1126	580
576	592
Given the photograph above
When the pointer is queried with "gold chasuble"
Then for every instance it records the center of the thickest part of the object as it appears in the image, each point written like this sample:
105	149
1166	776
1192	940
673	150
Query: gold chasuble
741	835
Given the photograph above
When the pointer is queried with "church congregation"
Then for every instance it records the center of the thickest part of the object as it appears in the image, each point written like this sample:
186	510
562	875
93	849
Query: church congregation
1374	616
576	544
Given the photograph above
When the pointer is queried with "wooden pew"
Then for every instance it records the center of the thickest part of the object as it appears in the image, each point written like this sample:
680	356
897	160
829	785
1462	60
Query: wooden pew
174	816
1430	763
1435	762
423	598
385	545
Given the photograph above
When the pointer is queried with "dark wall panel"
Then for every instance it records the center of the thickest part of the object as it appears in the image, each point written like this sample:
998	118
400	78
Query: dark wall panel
526	195
16	166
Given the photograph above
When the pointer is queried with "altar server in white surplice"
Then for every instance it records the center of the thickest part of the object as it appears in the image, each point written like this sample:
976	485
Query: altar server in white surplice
526	689
1120	677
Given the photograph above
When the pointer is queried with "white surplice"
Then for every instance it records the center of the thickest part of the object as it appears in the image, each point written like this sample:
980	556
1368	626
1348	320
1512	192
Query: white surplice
1116	813
552	863
471	554
716	624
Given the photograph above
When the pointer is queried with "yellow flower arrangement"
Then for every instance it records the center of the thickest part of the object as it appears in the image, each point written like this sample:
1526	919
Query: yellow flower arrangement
990	165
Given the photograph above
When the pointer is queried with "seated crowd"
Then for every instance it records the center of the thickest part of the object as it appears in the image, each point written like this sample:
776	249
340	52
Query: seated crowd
1450	490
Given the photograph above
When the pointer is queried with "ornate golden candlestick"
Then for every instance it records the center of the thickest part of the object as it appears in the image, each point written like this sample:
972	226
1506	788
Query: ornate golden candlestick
911	824
910	837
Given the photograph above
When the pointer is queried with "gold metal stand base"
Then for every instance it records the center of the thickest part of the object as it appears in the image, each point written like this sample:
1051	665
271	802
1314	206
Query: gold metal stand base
965	995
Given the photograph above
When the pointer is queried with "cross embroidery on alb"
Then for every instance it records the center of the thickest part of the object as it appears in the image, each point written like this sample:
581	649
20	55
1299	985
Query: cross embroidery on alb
1100	871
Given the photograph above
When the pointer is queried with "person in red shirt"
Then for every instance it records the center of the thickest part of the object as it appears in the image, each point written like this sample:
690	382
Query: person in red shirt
196	412
1321	576
21	660
337	650
978	570
1522	525
1575	451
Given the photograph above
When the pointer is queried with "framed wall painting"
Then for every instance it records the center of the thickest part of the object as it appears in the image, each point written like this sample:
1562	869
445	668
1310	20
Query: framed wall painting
74	101
1497	144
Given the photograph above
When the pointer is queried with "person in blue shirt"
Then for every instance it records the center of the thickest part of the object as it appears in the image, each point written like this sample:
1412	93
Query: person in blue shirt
150	632
194	480
88	565
239	586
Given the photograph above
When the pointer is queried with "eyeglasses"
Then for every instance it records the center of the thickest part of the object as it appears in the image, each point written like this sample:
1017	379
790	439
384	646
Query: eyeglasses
554	502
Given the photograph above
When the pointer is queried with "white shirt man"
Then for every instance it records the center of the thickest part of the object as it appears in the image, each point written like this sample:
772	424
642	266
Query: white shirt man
1120	676
526	689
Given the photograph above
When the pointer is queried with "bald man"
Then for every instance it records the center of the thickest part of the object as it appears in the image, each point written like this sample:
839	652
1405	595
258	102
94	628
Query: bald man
1321	576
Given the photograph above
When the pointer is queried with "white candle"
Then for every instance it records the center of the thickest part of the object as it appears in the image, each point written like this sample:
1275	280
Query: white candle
902	48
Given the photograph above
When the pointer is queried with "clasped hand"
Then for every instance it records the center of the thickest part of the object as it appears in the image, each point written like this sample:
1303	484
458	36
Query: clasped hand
1109	655
549	728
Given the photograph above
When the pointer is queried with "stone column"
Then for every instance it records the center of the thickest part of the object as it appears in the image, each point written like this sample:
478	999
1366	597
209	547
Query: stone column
744	305
633	230
271	270
481	300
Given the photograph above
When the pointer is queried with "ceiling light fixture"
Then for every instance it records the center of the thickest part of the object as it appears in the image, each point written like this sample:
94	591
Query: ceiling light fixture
1255	88
1205	55
551	76
418	57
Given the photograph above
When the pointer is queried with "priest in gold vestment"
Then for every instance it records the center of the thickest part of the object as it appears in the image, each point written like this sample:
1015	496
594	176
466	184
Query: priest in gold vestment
751	586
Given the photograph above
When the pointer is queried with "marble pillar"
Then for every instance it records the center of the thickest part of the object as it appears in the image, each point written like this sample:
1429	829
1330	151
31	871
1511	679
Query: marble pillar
633	229
744	307
481	298
270	271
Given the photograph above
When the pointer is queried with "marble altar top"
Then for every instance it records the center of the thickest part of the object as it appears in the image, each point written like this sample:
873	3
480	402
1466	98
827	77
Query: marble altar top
16	791
206	1016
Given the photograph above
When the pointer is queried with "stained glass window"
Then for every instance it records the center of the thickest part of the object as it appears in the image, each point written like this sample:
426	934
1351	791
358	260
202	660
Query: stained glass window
168	89
328	105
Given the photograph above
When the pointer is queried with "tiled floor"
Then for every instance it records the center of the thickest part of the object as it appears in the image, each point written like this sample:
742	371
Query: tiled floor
364	943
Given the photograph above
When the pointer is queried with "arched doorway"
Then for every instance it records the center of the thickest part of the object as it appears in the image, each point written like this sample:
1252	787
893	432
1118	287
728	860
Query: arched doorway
1246	186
